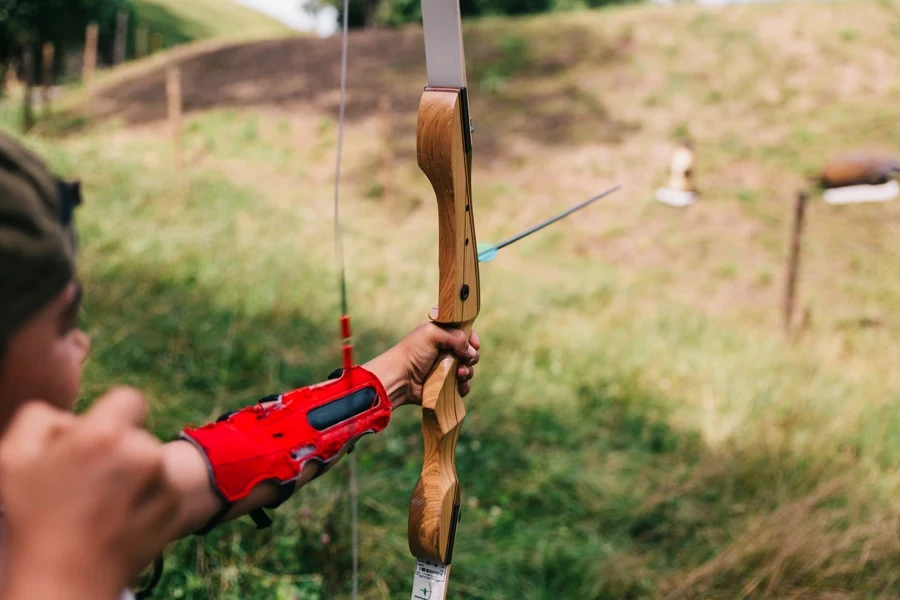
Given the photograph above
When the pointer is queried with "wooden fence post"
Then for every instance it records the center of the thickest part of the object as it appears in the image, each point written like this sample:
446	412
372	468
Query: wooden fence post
47	57
28	76
793	265
90	53
140	42
121	43
12	78
387	163
156	42
174	104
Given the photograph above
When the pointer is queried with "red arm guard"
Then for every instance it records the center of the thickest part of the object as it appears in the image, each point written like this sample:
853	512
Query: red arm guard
272	441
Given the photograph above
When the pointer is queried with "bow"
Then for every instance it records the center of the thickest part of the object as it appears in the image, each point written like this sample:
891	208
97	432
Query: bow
444	148
444	142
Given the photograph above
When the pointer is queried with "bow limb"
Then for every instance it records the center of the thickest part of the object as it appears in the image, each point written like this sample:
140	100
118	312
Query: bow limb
445	156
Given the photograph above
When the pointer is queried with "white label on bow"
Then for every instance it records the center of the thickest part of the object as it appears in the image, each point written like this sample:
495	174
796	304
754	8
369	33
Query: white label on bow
430	582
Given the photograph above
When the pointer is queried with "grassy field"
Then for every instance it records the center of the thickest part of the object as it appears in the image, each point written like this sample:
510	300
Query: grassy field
639	427
184	21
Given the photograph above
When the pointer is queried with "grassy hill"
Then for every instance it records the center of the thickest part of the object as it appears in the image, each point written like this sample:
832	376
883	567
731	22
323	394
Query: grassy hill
639	428
188	20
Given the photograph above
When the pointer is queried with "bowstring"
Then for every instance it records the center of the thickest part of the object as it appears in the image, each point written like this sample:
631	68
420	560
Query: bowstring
339	254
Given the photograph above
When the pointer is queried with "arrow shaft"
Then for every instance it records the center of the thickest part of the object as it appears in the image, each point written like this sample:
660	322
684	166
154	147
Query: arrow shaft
558	217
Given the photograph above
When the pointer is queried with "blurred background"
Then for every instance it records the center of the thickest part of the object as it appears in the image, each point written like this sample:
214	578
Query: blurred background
647	421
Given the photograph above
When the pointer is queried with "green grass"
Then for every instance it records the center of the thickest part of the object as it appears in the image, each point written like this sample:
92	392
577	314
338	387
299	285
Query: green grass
181	21
639	428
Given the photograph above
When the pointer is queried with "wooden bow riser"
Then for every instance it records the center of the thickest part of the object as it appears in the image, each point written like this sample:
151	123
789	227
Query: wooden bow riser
444	158
444	153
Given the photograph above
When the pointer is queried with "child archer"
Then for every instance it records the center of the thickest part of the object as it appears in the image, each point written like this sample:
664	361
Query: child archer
252	459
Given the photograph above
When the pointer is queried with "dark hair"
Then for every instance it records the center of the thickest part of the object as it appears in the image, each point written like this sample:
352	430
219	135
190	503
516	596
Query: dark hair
36	240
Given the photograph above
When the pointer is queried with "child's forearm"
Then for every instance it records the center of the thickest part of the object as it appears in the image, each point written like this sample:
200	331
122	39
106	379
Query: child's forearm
28	578
54	588
190	473
394	379
199	502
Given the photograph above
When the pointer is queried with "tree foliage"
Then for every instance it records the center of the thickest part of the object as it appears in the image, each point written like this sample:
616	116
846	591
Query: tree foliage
63	22
365	13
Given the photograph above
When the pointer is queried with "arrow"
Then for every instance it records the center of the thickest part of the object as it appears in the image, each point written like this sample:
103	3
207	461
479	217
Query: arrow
488	252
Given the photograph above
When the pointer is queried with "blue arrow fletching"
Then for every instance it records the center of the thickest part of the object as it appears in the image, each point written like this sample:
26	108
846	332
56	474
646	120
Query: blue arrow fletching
486	252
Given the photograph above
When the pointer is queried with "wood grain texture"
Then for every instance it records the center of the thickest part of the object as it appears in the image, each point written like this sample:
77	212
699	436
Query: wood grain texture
444	160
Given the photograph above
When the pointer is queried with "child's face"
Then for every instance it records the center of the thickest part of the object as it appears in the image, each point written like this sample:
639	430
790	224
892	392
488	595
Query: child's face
44	357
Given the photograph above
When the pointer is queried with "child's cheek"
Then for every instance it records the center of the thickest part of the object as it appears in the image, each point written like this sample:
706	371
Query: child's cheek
73	357
81	346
